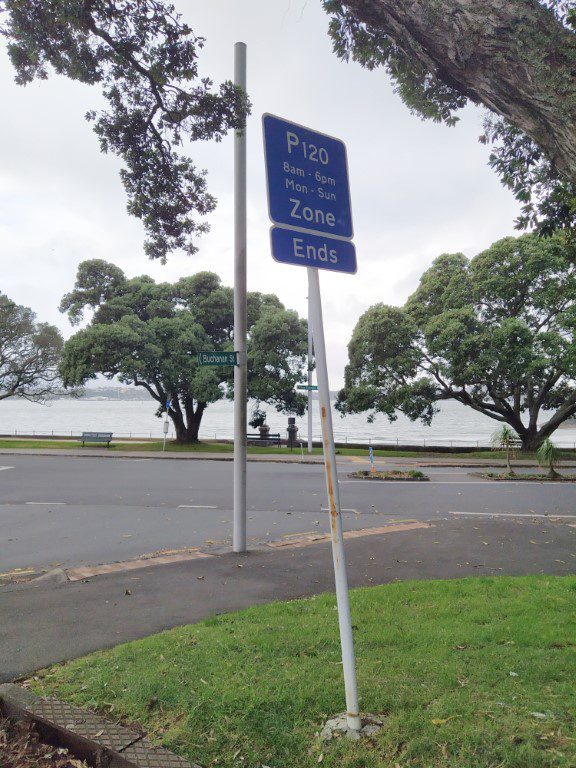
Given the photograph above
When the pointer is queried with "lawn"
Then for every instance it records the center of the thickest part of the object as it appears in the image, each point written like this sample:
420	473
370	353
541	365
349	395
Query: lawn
471	673
218	447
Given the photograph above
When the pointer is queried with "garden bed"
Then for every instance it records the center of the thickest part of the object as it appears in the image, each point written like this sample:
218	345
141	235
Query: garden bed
524	478
409	475
22	747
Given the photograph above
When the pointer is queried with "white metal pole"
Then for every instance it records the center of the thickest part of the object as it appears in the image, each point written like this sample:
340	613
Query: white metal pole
310	352
344	618
240	319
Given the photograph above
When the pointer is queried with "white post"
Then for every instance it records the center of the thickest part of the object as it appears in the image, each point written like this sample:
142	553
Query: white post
240	319
310	353
344	618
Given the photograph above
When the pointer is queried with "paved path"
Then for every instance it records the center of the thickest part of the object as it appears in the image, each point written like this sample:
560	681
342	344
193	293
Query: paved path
281	458
43	623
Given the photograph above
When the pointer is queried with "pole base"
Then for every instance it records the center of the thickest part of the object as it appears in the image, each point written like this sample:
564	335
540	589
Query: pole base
339	726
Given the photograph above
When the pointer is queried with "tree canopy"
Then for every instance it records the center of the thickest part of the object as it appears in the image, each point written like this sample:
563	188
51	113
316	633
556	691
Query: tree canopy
149	334
496	333
145	60
29	353
517	58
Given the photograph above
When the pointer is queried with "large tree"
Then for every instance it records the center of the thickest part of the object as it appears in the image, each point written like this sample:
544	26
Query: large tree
29	354
496	333
144	58
149	334
515	57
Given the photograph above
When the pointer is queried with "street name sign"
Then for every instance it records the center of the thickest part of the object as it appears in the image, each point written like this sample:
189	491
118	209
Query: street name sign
308	193
311	387
217	358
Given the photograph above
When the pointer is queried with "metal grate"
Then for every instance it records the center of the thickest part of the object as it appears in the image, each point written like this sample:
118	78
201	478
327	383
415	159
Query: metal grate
84	724
144	755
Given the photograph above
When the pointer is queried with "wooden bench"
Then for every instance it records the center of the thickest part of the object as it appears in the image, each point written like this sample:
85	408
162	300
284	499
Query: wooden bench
255	438
96	437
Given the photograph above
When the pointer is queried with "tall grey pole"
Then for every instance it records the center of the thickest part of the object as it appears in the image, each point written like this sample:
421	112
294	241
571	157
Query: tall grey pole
240	319
310	347
344	618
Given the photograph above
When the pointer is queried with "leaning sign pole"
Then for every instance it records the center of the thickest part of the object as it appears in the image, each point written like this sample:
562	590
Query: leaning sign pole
240	317
309	203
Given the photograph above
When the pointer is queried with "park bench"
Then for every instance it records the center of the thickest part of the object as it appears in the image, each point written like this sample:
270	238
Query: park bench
271	439
96	437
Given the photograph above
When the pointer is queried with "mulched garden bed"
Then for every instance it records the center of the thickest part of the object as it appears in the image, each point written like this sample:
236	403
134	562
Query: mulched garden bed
525	478
21	747
410	475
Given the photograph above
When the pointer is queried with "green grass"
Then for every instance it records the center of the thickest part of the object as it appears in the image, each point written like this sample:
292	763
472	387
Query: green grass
216	447
456	666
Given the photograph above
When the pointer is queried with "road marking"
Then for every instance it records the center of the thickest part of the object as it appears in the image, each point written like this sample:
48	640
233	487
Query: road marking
343	509
45	503
515	514
2	468
196	506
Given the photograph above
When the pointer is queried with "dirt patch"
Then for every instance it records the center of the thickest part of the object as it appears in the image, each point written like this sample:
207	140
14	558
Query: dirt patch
21	747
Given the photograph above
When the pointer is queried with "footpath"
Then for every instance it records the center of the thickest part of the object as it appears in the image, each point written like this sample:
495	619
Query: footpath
46	621
282	458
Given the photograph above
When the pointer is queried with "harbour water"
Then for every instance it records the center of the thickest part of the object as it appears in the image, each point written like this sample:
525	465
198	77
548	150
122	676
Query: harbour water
454	424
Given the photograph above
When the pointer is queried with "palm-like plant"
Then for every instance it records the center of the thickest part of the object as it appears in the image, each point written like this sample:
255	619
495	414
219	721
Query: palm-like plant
504	439
549	455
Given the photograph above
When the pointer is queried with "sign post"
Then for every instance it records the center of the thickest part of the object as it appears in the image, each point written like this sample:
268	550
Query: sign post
166	425
310	363
240	316
309	201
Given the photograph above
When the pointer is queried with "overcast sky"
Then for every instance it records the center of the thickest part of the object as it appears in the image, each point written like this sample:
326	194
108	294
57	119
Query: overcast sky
418	189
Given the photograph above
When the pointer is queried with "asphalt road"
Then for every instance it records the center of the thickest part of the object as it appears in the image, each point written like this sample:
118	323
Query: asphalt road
65	511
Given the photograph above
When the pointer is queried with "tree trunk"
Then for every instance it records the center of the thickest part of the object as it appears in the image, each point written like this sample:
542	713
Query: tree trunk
513	56
531	440
187	429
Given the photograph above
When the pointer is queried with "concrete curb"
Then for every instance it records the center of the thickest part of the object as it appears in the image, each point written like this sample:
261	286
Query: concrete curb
267	458
95	454
88	736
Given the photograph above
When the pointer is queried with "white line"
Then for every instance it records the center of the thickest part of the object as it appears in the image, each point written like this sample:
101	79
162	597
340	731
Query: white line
1	468
342	509
514	514
196	506
47	503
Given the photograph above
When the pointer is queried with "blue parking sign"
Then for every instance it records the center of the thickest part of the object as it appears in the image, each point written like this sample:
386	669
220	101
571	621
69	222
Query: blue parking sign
307	175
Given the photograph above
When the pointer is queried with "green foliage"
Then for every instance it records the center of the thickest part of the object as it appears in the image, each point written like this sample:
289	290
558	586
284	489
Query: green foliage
29	353
503	438
496	333
145	60
548	200
258	418
149	334
549	455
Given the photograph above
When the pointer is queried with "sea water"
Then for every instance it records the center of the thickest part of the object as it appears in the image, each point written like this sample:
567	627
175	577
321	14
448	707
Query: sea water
454	424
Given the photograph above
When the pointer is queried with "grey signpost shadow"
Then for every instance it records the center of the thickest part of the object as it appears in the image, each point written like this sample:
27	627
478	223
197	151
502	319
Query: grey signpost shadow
309	203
